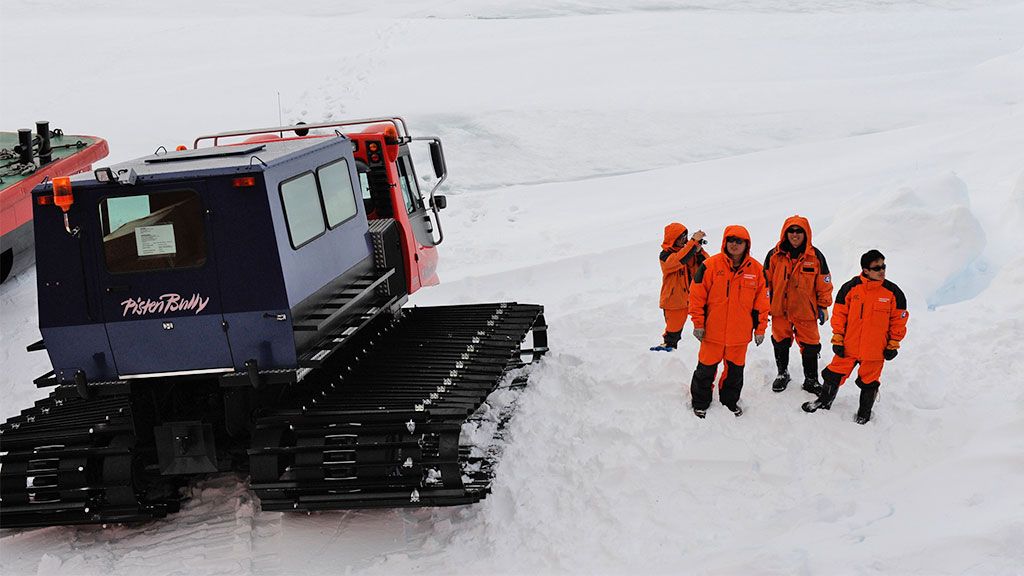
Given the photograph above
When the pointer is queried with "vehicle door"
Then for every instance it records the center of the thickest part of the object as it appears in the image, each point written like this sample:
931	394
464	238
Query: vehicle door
158	281
419	219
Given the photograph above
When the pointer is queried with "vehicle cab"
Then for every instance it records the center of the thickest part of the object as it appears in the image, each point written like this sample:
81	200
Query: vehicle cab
212	259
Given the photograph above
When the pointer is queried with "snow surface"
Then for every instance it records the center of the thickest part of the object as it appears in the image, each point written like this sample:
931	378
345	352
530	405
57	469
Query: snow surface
575	130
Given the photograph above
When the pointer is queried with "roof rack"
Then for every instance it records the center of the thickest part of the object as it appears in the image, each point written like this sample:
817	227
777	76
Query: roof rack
397	121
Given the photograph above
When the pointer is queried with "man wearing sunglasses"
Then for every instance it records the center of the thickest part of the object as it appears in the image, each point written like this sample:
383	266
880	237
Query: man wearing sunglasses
800	290
869	320
728	302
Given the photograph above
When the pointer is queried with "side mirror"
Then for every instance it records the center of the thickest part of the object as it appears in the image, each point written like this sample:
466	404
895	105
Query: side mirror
440	202
437	158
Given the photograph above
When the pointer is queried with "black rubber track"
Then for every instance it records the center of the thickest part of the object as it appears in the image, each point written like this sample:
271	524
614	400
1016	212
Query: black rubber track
72	461
382	430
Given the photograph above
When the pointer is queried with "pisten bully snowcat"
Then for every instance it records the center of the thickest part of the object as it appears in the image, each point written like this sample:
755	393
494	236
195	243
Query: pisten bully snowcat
238	306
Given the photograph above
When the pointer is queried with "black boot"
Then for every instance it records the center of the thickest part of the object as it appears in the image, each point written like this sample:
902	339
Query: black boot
809	356
828	392
672	339
868	394
782	361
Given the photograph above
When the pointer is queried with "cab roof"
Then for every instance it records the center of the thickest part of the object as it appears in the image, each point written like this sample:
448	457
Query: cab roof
218	160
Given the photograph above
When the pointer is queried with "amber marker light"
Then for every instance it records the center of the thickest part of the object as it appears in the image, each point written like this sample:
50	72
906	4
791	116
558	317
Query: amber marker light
181	148
62	197
62	192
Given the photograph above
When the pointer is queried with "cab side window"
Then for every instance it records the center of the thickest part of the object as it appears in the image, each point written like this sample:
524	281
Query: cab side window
336	187
407	179
302	209
364	185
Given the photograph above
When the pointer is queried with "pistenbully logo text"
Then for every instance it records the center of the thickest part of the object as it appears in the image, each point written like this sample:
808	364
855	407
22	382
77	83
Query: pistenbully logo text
163	305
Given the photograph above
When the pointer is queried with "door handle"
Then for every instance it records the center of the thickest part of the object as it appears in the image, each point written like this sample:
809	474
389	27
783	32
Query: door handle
115	288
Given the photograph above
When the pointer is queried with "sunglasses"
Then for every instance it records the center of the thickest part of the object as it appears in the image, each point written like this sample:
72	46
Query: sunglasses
876	268
734	240
794	230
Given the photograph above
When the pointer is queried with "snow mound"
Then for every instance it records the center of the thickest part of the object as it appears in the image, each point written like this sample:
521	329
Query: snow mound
932	240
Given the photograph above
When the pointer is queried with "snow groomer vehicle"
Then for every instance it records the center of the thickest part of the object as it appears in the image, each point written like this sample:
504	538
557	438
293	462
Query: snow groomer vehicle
239	306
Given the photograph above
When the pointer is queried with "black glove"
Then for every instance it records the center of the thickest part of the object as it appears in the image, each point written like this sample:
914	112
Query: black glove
839	350
890	353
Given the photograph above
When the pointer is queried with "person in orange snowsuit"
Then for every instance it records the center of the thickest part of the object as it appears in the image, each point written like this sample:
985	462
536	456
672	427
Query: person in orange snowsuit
869	321
679	260
800	289
728	302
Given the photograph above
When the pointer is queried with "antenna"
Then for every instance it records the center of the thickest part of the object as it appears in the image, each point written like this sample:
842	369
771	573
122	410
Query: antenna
280	122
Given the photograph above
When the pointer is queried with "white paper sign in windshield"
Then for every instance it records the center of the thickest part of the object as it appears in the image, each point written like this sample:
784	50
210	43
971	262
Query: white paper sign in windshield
155	240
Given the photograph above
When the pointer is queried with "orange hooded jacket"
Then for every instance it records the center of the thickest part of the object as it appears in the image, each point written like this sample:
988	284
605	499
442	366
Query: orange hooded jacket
869	316
797	286
729	303
677	268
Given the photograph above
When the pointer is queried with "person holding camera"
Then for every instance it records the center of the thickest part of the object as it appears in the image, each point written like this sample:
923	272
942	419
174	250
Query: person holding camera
728	302
800	289
679	258
869	321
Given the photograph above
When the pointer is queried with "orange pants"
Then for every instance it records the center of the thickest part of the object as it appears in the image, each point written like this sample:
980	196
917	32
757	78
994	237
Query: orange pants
869	371
806	331
674	320
712	354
